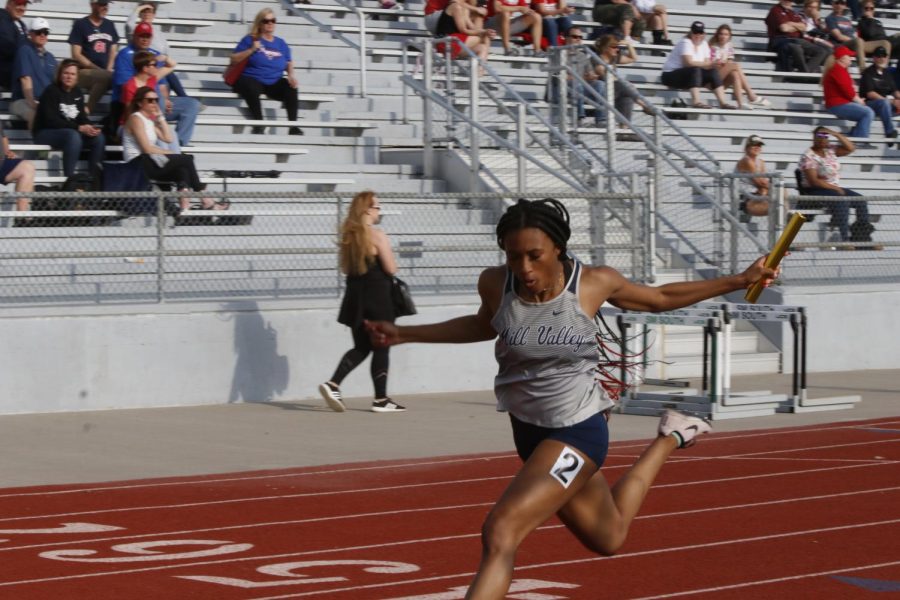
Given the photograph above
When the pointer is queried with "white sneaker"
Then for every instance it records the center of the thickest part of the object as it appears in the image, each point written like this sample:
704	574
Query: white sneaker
332	395
761	102
683	426
386	406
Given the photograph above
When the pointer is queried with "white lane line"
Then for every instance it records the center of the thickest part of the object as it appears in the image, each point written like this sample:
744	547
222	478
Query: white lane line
467	459
705	509
568	563
774	580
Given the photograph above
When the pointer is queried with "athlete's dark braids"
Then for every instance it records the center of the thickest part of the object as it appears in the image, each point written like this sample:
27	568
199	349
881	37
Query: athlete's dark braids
548	215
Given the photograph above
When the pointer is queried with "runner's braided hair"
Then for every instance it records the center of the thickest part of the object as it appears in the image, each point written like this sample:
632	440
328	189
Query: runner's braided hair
549	215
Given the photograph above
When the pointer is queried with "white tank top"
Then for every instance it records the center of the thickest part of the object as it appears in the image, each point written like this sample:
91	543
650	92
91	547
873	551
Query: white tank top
130	147
548	356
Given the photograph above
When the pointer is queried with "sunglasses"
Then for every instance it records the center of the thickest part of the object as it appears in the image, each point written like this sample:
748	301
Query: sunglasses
577	37
41	32
151	100
868	8
267	21
822	135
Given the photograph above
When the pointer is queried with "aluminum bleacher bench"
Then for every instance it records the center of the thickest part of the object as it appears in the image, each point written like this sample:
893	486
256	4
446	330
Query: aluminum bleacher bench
49	14
303	123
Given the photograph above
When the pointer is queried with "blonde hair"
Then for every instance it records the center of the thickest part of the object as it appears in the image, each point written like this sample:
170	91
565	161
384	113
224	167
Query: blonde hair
356	240
256	28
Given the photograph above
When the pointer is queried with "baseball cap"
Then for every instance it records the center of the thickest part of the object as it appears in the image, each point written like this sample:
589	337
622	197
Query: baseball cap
880	51
755	140
142	29
39	23
842	51
697	27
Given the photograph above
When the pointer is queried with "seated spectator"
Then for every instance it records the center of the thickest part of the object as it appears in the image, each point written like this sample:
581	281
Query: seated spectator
731	73
555	18
820	173
621	15
147	73
180	109
270	60
754	191
62	123
843	33
656	18
502	18
33	71
145	126
612	53
870	29
146	13
786	31
459	21
579	61
841	98
817	30
15	170
689	66
470	15
13	34
878	89
93	40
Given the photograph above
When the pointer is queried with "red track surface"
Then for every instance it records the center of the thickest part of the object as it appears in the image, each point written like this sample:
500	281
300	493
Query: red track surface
809	512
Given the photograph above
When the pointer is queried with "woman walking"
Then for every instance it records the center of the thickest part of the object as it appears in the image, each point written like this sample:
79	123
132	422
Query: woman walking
368	261
539	307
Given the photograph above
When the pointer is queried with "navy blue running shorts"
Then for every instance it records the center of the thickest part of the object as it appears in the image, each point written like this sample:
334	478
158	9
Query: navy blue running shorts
6	167
590	437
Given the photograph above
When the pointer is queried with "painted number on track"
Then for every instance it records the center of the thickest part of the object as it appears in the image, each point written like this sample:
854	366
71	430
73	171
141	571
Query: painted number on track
148	551
289	577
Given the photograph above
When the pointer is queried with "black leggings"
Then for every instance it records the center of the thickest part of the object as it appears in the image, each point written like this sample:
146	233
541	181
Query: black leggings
362	345
691	77
251	89
179	169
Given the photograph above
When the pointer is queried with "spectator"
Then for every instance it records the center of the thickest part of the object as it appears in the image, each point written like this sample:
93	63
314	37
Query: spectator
62	122
467	15
786	31
689	66
15	170
555	18
871	30
502	18
625	96
580	62
841	98
817	30
93	40
180	109
146	13
878	89
621	15
13	34
842	33
755	190
147	73
464	22
270	58
731	73
820	174
33	71
656	17
145	126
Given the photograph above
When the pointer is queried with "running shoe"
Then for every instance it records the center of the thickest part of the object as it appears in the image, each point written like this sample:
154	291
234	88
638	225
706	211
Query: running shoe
761	102
683	426
332	395
386	405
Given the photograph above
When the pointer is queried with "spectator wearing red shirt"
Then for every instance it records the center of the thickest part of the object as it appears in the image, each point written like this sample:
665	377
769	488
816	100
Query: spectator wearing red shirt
457	20
787	38
435	10
555	17
841	98
502	17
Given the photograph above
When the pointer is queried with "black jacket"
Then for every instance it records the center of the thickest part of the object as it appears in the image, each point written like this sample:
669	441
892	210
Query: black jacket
58	109
11	37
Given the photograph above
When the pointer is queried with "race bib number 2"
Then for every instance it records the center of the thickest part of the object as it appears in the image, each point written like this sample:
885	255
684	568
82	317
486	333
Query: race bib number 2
567	466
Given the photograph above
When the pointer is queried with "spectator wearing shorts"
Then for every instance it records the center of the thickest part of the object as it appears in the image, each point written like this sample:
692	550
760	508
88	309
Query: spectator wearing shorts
449	10
33	71
730	71
16	170
689	66
503	18
656	18
621	15
94	46
755	190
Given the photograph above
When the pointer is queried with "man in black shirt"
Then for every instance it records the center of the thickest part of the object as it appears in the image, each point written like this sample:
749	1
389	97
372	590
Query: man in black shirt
93	40
879	90
13	34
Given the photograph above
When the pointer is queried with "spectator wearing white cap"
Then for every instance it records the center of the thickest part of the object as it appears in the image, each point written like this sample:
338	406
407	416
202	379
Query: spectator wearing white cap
754	191
13	34
33	70
94	45
689	66
146	13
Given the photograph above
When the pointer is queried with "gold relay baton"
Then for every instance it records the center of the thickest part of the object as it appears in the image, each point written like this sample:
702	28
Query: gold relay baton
777	253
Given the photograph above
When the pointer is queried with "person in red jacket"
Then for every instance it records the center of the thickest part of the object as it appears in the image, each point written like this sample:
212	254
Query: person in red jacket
841	98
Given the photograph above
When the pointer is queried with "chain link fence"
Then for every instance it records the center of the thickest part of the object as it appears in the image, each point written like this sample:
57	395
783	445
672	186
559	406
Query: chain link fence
131	247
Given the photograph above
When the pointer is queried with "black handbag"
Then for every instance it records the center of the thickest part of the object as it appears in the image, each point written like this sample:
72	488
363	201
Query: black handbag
401	298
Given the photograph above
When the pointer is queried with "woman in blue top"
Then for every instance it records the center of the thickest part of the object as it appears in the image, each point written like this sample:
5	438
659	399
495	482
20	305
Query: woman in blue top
269	60
539	307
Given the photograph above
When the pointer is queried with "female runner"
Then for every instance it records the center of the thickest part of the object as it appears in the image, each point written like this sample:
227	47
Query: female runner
540	306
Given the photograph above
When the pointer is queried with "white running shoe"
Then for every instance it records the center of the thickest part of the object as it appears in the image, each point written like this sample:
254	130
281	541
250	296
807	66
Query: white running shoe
761	102
683	426
332	395
386	406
